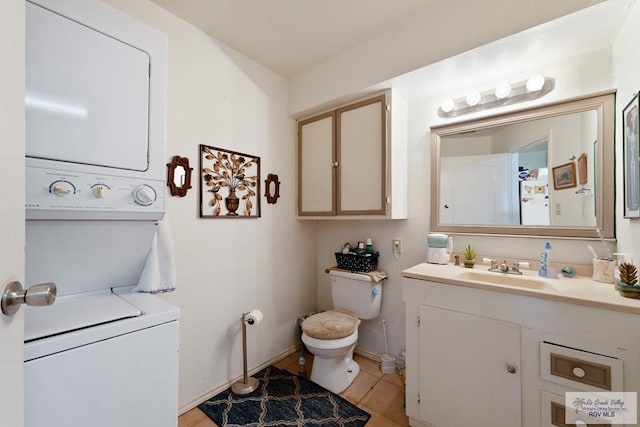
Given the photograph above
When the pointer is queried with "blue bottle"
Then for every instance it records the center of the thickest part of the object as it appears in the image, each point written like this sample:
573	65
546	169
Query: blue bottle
543	271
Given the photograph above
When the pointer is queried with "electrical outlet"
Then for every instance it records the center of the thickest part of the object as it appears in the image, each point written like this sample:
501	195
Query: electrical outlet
397	246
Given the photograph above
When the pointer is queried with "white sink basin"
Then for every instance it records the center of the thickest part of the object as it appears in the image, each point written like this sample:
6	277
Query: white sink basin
523	281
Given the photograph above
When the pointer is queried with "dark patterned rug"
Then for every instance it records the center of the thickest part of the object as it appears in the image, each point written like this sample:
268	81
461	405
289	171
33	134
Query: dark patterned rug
283	399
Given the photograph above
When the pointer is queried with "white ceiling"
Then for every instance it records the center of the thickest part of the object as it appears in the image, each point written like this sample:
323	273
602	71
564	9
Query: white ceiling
291	36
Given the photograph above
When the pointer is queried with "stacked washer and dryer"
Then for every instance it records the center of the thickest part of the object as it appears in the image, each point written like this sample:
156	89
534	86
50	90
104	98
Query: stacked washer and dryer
101	355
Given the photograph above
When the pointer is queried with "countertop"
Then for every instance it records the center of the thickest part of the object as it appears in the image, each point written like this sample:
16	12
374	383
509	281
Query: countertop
577	290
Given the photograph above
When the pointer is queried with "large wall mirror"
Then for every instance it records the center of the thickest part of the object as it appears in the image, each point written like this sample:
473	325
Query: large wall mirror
545	171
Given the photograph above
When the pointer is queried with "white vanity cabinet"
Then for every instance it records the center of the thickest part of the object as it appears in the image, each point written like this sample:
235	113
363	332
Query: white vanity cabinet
505	358
352	161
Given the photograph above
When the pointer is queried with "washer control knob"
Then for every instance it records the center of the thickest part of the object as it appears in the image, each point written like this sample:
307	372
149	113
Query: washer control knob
100	191
62	188
144	195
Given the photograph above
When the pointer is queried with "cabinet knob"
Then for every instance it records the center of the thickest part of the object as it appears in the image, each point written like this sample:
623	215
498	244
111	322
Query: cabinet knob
334	164
511	369
579	372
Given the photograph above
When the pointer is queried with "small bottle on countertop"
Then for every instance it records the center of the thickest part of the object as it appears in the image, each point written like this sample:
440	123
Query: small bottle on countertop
369	248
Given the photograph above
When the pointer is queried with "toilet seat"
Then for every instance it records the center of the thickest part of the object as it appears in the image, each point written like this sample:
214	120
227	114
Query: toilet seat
321	344
330	325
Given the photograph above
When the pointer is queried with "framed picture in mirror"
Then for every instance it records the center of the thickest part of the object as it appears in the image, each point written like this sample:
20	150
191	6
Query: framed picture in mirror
564	176
583	176
630	152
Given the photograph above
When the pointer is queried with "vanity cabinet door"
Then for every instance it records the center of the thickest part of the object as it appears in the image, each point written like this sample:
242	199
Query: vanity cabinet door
469	370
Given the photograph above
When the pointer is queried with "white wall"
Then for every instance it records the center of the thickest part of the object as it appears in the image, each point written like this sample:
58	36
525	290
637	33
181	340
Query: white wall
627	71
225	266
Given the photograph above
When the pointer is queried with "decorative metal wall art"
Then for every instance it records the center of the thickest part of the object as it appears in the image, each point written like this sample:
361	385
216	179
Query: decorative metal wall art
230	184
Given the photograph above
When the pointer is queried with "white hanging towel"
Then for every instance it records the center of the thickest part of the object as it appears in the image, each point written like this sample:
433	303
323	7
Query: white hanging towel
159	273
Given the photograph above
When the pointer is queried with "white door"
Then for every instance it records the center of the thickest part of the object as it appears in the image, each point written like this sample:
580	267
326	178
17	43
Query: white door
478	190
12	206
469	370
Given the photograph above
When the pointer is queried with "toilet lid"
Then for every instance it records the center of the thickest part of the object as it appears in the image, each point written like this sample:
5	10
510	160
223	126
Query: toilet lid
330	325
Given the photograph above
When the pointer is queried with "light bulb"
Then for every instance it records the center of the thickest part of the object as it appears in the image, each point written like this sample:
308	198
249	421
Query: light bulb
473	99
447	105
535	83
502	90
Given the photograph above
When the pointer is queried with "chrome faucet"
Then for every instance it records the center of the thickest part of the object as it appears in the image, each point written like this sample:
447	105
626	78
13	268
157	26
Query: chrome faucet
504	266
515	269
493	262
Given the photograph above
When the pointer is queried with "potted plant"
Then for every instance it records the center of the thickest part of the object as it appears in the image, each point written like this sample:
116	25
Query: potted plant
469	256
627	283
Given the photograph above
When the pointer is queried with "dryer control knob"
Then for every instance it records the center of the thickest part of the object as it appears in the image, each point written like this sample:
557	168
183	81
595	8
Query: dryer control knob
100	191
62	188
144	195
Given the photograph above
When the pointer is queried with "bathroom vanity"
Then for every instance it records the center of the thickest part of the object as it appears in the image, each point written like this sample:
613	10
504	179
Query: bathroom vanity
492	349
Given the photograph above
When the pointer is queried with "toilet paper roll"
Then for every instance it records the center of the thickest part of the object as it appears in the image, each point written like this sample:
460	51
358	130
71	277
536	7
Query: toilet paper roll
254	317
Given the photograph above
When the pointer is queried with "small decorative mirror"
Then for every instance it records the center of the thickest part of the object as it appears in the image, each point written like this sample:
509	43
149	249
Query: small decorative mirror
179	176
272	188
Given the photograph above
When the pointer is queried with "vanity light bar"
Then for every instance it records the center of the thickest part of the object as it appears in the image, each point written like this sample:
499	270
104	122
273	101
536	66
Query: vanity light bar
504	94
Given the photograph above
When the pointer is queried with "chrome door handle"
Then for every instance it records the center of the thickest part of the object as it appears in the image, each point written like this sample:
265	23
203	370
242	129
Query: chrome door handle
14	294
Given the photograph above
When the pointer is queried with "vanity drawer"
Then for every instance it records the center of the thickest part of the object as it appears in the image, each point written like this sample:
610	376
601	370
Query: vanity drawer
553	412
579	369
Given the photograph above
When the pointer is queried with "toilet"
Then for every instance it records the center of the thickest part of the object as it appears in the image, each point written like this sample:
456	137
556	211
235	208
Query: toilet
332	335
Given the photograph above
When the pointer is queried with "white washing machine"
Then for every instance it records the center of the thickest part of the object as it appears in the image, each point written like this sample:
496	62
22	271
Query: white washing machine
102	359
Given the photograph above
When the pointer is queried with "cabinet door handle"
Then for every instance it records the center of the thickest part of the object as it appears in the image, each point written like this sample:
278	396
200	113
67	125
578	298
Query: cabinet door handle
579	372
334	164
511	369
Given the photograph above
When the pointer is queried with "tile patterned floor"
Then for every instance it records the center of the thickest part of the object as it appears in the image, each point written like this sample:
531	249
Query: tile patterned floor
379	394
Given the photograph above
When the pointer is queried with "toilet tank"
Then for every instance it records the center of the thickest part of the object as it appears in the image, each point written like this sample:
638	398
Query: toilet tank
356	292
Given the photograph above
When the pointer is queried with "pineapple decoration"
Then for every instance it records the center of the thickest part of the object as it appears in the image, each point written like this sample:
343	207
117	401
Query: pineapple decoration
627	283
628	273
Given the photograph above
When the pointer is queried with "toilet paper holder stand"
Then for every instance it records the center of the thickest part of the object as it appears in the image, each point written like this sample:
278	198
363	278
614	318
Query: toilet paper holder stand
247	384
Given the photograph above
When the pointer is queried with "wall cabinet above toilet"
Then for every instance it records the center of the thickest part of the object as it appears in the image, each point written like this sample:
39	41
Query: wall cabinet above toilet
352	161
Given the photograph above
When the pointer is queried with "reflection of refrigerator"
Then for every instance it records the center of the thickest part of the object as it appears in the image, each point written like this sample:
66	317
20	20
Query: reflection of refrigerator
534	199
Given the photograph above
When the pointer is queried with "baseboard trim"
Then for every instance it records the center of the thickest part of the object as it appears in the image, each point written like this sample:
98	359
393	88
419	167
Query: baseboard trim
209	394
368	355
